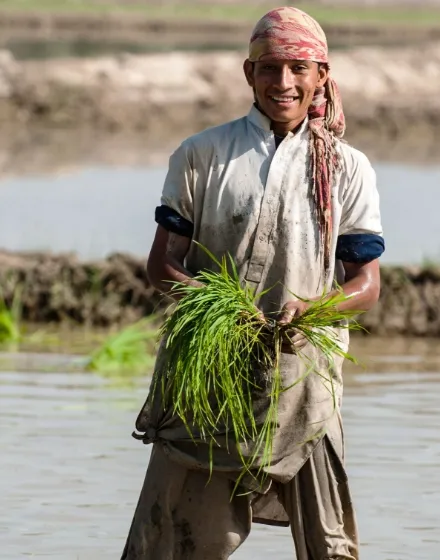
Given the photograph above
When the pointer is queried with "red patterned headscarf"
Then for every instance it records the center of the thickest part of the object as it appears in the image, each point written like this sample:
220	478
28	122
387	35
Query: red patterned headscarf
290	34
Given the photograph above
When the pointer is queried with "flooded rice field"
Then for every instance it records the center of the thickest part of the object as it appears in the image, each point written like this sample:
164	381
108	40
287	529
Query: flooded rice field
97	211
71	473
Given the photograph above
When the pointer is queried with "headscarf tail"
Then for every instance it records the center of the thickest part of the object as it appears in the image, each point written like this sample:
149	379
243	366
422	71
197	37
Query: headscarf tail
289	33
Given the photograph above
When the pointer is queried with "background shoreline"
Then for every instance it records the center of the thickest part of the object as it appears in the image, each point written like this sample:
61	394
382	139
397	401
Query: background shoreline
156	100
200	32
115	291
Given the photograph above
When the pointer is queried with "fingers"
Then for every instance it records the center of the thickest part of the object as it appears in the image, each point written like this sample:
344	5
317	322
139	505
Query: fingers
288	313
290	349
293	341
299	345
291	310
297	337
293	344
260	315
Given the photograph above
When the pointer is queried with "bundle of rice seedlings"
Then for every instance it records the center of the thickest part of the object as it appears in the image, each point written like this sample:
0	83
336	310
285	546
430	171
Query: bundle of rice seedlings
129	351
214	338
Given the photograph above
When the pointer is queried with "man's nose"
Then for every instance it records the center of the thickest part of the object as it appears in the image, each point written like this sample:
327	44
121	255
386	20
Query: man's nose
285	78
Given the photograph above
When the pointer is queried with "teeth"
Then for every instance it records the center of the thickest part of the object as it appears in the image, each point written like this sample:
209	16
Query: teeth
283	99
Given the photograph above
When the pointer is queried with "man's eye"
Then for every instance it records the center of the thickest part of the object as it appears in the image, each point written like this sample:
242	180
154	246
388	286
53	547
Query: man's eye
268	67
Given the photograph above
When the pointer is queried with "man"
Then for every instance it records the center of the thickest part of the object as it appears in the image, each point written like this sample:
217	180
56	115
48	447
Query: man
298	211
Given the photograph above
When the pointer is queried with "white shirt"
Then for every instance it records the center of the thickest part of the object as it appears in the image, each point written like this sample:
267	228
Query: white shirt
252	200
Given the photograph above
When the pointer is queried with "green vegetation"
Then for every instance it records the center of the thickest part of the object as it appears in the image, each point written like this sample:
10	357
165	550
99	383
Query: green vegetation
131	351
10	316
214	337
248	11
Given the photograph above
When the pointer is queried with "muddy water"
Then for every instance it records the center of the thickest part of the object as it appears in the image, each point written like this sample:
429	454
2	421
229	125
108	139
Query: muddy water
97	211
70	472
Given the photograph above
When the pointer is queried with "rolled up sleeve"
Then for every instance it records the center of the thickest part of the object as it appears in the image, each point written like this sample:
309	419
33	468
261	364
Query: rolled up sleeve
360	233
176	213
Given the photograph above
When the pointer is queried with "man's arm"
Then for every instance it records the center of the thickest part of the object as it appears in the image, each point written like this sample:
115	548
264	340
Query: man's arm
361	286
165	263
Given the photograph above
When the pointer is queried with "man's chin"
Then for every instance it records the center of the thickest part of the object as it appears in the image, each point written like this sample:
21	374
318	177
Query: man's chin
283	116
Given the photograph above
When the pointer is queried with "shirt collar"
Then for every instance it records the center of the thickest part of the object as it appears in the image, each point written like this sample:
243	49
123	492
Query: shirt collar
256	117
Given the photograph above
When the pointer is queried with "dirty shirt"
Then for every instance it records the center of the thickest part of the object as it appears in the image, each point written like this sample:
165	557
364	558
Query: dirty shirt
240	193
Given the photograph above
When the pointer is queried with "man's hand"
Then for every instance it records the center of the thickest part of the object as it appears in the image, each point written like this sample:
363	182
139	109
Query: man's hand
291	309
260	315
293	341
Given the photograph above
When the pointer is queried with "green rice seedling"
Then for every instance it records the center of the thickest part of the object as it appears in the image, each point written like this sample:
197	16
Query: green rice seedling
10	317
214	338
129	351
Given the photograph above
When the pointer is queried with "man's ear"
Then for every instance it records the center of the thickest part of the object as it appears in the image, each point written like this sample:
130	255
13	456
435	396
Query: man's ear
248	69
323	72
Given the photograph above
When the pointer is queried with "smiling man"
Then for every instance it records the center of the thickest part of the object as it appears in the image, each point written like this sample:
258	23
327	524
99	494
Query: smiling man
298	210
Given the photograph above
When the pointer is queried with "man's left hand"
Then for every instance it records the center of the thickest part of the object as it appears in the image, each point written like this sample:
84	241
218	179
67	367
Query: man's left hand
294	341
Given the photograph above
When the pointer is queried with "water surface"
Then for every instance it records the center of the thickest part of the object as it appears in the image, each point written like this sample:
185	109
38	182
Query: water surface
71	473
97	211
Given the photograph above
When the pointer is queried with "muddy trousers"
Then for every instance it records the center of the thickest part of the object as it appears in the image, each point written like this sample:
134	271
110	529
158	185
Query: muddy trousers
181	517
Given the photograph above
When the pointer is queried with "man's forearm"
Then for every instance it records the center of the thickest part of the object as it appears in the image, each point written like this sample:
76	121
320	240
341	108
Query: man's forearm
165	264
362	287
361	296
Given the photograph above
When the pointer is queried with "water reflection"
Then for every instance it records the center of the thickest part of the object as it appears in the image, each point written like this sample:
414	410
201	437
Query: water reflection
71	473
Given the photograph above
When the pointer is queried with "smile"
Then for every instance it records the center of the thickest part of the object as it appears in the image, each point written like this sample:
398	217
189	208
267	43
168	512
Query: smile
283	99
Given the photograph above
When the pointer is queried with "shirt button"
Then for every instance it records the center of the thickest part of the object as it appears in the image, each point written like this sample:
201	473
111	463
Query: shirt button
261	238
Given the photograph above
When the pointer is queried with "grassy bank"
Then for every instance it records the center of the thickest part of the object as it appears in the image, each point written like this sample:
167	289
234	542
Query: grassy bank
57	290
243	12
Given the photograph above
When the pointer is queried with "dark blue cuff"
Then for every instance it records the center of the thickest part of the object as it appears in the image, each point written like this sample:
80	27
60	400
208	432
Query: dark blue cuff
359	247
172	221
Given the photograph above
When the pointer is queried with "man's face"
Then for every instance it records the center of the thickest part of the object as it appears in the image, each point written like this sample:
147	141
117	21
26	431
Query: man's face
284	89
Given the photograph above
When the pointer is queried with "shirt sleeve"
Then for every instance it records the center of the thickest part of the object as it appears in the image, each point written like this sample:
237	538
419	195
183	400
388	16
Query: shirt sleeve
176	213
360	233
173	222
